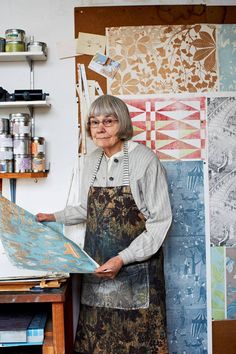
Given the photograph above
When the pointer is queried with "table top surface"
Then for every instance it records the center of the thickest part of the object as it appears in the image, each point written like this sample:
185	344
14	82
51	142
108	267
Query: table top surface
35	295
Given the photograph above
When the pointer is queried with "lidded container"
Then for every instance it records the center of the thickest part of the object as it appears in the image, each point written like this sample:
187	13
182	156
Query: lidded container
22	145
15	47
14	35
37	47
4	125
2	44
22	163
20	124
6	166
39	163
38	145
6	140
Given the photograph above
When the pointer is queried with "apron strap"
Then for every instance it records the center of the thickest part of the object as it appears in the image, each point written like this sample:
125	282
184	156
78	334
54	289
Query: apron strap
125	166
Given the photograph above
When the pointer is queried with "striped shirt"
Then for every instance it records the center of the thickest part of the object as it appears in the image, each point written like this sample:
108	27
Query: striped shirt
149	189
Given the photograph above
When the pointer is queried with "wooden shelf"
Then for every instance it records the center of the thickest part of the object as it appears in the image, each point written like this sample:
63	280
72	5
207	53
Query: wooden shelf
22	56
12	104
23	175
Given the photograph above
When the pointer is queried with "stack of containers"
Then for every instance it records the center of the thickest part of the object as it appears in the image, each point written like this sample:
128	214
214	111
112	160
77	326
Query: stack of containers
20	128
15	40
6	146
38	154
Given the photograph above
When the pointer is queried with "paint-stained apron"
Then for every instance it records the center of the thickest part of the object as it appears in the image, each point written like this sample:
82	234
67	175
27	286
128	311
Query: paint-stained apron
127	314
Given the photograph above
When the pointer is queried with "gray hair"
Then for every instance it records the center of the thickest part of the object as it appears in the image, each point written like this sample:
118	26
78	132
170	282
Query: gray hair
110	105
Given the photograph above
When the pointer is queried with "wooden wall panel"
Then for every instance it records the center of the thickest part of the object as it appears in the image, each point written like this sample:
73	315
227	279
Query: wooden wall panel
224	337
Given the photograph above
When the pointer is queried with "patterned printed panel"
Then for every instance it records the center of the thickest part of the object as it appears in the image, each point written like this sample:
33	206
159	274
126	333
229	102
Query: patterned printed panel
174	128
231	282
185	260
227	57
218	283
163	59
221	114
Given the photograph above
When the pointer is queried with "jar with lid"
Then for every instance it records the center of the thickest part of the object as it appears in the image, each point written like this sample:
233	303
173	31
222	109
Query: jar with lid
39	163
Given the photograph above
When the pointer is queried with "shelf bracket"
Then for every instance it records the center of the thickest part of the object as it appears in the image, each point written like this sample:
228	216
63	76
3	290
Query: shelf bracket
31	65
13	189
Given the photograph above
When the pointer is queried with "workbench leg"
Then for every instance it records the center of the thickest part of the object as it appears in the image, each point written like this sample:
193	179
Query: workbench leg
58	328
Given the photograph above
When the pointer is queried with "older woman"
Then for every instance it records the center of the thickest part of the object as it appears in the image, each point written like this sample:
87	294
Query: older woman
126	207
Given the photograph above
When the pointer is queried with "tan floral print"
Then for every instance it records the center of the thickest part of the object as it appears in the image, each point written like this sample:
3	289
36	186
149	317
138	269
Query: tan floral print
165	59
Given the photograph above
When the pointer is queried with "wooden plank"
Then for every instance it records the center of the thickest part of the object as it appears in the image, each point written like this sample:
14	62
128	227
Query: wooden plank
224	338
47	347
24	175
58	328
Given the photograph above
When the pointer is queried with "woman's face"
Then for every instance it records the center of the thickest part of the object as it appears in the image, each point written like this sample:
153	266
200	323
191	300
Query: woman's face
104	131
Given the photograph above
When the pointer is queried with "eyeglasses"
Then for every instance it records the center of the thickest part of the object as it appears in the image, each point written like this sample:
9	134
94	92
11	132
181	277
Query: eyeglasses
107	122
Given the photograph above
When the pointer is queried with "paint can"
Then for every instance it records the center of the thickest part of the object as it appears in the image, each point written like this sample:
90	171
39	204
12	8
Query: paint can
20	124
21	145
6	166
38	145
39	163
2	44
4	126
15	35
6	153
15	47
22	163
6	140
37	47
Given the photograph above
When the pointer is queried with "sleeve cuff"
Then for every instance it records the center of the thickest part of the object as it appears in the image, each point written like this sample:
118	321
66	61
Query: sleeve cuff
60	217
127	256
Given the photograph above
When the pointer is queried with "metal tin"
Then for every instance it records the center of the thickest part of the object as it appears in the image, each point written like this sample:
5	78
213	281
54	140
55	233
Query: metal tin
2	44
6	153
38	145
20	124
4	126
22	163
15	47
15	35
39	163
6	166
37	47
21	145
6	140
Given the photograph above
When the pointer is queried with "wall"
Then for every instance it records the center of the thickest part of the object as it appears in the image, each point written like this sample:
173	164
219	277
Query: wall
49	21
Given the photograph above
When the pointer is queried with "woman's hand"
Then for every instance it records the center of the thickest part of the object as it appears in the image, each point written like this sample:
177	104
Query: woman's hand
45	217
110	269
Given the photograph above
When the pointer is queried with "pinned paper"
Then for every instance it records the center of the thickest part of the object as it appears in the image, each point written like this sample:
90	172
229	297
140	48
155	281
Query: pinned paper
104	65
90	44
67	49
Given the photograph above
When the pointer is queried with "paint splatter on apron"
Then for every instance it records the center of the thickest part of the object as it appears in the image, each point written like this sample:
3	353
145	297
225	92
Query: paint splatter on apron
127	314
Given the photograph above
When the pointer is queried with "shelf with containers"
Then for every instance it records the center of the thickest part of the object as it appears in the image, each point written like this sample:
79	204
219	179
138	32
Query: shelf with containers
30	57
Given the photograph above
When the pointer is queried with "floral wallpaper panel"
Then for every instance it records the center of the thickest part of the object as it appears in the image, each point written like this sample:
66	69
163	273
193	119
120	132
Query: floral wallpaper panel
166	59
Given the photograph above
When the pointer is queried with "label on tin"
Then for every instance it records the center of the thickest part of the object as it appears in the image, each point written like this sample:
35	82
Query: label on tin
6	155
38	164
22	164
5	142
21	147
37	148
20	129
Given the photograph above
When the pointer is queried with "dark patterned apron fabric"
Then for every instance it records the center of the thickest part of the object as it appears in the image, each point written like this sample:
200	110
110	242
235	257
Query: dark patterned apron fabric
127	314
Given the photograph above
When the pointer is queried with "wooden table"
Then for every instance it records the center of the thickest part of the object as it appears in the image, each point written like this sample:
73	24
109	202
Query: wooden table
60	301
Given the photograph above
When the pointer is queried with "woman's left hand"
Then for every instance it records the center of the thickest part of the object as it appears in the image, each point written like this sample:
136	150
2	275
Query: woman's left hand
110	269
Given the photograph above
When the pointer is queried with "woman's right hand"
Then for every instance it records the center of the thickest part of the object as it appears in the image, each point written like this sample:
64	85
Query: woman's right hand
45	217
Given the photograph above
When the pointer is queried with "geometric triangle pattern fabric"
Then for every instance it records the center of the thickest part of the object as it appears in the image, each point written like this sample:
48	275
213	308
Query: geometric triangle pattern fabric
174	128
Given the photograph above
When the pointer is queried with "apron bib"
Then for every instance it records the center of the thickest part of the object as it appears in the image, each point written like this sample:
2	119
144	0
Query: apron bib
113	222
